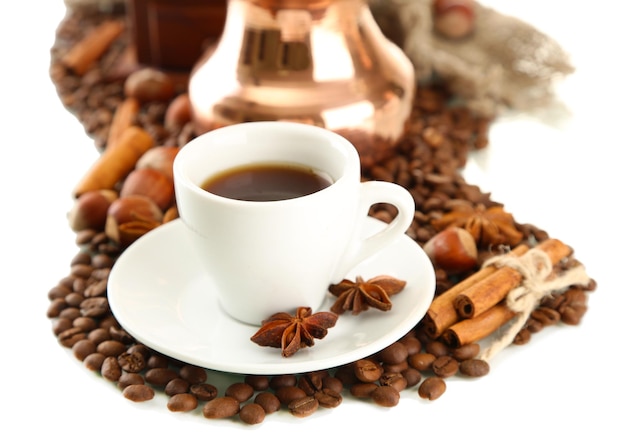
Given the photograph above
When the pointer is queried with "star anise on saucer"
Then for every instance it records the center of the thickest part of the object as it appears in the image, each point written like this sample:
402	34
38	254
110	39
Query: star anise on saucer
488	226
360	295
293	332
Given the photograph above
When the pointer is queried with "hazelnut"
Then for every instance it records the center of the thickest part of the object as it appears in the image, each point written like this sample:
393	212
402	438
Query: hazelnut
90	210
178	112
130	217
151	183
149	84
171	214
453	18
159	158
453	250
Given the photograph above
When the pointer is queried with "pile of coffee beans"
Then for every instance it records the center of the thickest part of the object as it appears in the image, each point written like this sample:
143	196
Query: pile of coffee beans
429	158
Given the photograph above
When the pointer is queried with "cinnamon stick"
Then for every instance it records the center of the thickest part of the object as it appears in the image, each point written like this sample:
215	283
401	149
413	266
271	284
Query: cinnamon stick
475	329
442	314
82	56
478	298
116	161
123	118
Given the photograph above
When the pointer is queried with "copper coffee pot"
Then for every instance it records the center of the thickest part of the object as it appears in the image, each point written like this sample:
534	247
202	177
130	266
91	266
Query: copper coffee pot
321	62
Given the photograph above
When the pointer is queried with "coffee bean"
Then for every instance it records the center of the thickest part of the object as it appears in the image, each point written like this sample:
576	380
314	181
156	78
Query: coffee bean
412	376
328	398
239	391
83	348
421	361
94	307
332	383
312	381
157	361
394	353
111	348
252	413
138	392
412	345
363	390
258	382
386	396
99	335
176	386
71	336
193	374
118	334
437	348
203	391
522	337
81	270
393	379
474	368
396	367
141	349
547	316
55	307
95	289
74	299
287	394
111	369
303	407
160	376
221	407
367	371
131	361
466	352
94	361
182	402
445	366
268	401
59	292
283	380
71	313
128	378
87	324
345	374
61	325
432	388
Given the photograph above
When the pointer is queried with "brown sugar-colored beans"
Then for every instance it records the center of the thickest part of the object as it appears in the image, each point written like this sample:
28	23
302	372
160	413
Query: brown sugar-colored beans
160	376
240	391
474	368
221	407
138	392
386	396
252	413
304	406
432	388
182	402
203	391
268	401
445	366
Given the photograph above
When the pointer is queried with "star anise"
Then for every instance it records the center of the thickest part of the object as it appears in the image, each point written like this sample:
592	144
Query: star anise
293	332
359	295
488	226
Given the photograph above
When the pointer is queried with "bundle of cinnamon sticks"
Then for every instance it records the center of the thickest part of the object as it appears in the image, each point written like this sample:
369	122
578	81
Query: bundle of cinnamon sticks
476	307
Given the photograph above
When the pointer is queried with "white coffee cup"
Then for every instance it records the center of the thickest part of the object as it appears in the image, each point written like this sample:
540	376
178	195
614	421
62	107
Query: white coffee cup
274	256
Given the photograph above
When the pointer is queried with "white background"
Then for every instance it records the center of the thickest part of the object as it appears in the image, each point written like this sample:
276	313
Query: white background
563	175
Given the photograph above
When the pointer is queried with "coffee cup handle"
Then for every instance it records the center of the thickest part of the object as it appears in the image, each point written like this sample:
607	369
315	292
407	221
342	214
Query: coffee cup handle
374	192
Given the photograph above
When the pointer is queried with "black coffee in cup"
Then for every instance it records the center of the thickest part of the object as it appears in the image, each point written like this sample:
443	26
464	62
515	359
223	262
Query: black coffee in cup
266	182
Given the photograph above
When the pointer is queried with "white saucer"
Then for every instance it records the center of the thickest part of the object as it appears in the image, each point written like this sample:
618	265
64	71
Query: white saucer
159	295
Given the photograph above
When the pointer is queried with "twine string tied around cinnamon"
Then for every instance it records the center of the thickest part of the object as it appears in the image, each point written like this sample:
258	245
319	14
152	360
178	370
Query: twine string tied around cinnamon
538	282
